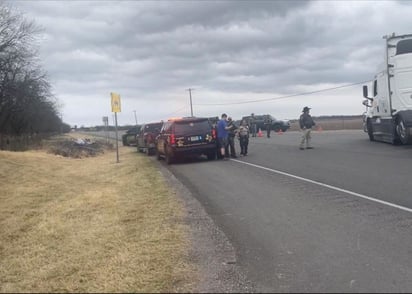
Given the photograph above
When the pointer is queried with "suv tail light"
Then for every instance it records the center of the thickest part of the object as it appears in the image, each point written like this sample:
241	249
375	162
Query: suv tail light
213	133
172	139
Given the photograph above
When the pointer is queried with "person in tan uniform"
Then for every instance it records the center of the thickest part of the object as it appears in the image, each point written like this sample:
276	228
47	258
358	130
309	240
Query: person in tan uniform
306	123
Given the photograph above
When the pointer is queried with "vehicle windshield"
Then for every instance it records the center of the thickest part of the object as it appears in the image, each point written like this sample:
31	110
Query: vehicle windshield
192	127
404	47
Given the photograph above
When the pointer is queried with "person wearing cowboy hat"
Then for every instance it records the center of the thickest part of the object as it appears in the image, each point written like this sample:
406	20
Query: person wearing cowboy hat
306	123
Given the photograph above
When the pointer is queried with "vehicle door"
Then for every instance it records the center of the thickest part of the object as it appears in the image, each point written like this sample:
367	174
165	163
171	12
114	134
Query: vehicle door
139	136
162	138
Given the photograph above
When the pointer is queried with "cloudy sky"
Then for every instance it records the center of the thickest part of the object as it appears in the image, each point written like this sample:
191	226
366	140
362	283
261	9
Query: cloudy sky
238	56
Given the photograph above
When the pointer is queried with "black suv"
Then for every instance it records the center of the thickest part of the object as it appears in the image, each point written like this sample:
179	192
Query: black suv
129	138
183	137
146	138
277	125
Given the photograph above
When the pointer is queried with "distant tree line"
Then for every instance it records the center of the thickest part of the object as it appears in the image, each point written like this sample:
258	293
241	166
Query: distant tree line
27	105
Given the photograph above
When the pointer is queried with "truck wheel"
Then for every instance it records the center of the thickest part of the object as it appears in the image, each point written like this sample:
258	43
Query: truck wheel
211	155
370	130
276	128
404	132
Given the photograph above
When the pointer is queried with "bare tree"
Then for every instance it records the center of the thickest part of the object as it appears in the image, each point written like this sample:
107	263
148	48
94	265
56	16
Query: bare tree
26	101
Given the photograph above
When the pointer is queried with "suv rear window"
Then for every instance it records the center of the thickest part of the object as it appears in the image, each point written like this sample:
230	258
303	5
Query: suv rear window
189	127
153	127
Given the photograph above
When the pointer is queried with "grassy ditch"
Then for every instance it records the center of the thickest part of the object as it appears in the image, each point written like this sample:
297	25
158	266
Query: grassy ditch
90	225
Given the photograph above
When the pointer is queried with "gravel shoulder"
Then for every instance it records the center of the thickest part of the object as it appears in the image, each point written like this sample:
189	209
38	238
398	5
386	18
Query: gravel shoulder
211	251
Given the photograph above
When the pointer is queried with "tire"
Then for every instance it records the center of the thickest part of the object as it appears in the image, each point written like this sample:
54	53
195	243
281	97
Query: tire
284	129
370	130
403	132
211	156
276	128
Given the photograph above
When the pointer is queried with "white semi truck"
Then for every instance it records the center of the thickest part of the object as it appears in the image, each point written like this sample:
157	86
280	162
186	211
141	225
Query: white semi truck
388	115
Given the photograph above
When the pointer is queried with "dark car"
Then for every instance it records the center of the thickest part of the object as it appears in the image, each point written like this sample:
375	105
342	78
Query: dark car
146	138
129	138
184	137
277	125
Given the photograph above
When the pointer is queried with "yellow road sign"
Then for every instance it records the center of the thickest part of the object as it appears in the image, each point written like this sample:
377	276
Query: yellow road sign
115	102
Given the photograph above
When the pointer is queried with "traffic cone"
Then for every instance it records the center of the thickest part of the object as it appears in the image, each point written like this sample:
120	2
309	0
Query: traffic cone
260	134
319	129
280	132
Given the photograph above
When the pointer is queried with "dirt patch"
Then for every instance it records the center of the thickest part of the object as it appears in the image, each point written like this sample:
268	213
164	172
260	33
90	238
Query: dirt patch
78	147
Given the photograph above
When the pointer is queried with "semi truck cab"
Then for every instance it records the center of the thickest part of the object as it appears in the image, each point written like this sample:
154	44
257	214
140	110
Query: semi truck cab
388	115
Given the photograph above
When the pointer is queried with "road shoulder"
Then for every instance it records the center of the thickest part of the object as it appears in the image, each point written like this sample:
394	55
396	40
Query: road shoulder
211	251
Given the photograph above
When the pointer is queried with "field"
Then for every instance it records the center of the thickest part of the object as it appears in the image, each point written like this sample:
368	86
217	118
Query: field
90	225
333	123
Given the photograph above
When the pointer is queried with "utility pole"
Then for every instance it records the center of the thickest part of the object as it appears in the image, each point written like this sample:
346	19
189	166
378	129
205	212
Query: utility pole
135	117
191	106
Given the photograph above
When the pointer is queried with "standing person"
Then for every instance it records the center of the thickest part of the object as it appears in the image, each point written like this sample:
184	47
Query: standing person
214	120
306	123
268	125
243	137
222	134
231	138
252	124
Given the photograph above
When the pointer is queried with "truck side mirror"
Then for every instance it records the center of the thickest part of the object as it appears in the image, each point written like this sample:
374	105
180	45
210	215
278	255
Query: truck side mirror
366	103
365	91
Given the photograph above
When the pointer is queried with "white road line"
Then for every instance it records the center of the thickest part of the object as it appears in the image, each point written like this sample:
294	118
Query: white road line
327	186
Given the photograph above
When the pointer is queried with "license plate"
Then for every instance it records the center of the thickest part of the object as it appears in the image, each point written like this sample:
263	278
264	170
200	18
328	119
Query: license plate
195	138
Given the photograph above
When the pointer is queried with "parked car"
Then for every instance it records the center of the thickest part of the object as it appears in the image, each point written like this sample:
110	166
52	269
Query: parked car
277	125
129	138
146	138
183	137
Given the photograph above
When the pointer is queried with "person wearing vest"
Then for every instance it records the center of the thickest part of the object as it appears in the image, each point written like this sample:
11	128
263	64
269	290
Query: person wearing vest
231	128
243	134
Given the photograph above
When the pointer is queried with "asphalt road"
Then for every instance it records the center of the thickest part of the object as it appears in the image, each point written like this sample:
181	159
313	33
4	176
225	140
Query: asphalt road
337	218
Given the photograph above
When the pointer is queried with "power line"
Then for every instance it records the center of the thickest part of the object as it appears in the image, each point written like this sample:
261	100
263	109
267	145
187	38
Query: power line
287	96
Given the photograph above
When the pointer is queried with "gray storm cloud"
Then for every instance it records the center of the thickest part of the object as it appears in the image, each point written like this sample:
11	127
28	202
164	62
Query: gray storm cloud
152	51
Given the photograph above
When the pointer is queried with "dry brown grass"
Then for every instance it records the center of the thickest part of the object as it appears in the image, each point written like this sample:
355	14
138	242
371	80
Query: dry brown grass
90	225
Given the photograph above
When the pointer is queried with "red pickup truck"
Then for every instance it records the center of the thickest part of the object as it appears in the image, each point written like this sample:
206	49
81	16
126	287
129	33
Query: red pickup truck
146	138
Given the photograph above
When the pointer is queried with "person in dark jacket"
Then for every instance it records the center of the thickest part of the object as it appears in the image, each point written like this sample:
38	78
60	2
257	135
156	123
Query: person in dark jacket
306	123
222	135
252	124
268	125
231	129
